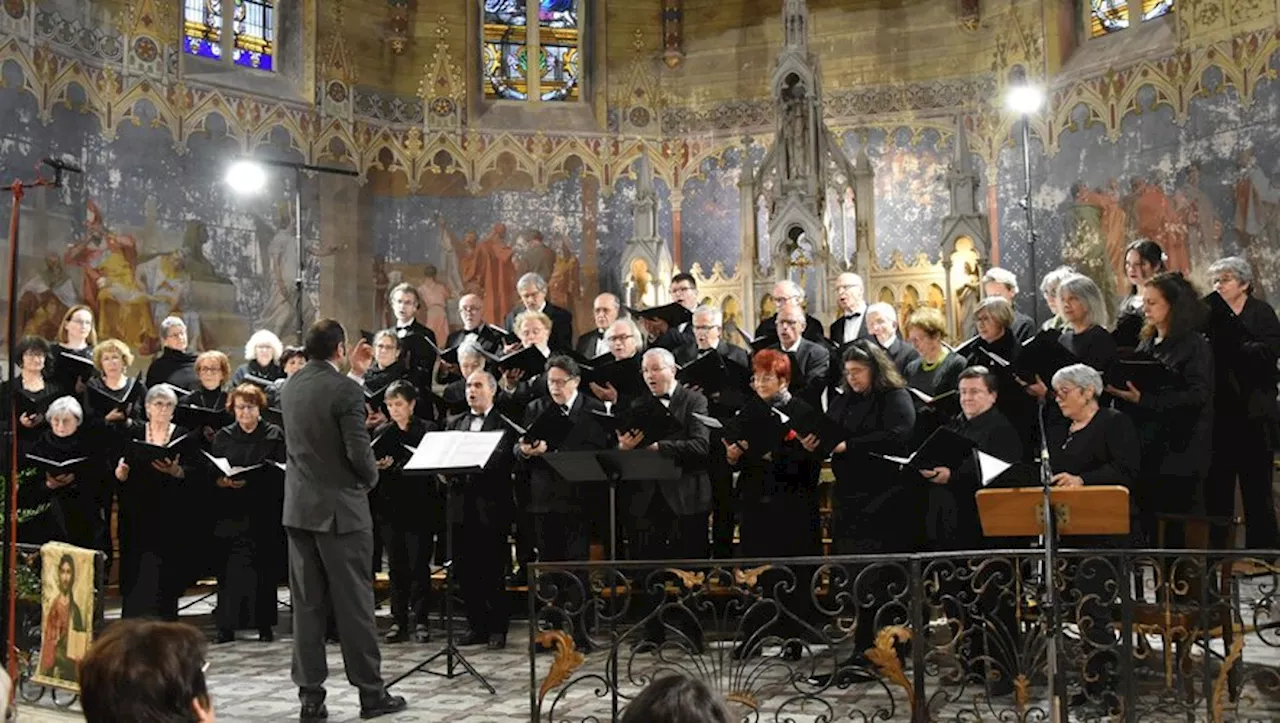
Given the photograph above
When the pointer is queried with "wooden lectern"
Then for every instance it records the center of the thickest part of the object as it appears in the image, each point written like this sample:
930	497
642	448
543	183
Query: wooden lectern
1019	512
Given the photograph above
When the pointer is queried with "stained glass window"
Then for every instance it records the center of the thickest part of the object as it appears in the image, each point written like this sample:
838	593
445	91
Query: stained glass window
1108	16
508	44
202	28
253	31
1156	8
255	34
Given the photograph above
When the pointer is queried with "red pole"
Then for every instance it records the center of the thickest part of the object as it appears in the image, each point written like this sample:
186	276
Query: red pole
11	573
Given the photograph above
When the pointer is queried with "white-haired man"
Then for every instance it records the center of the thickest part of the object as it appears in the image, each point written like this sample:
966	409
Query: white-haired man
851	307
788	293
1001	282
604	311
533	297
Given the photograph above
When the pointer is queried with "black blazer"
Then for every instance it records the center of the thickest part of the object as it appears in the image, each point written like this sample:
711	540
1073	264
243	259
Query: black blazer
812	328
810	363
691	493
561	325
951	517
549	492
455	338
871	500
836	333
418	355
485	498
1244	351
586	345
901	353
725	402
1024	327
1176	424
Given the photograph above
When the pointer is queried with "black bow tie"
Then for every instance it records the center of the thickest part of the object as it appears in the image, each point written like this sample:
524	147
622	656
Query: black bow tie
565	408
854	315
600	333
661	397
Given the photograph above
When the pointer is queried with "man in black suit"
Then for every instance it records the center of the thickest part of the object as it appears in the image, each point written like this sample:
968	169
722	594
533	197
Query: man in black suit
624	339
850	324
481	518
474	330
684	291
882	320
667	519
788	293
470	360
533	296
328	477
810	361
1001	282
417	342
708	325
594	343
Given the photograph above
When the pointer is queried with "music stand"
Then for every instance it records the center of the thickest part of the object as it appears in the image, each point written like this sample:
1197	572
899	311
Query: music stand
1050	512
446	455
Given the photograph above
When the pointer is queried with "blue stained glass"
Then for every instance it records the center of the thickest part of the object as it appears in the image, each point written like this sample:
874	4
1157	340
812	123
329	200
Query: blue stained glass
558	13
202	28
254	34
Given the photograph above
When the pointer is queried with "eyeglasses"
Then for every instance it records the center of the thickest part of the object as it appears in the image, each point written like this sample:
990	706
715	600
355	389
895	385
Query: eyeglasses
245	407
706	328
386	347
551	382
619	337
1064	391
202	370
788	322
681	289
783	299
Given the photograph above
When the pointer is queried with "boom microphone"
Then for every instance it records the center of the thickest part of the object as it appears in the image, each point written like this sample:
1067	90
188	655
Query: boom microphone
58	164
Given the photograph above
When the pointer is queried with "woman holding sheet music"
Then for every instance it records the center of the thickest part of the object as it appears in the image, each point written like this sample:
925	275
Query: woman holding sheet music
153	495
74	492
1175	420
247	508
1245	336
112	398
1143	259
997	349
386	368
204	412
935	373
73	353
33	390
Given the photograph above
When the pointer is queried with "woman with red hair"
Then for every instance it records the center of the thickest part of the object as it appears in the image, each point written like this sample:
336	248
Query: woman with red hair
778	492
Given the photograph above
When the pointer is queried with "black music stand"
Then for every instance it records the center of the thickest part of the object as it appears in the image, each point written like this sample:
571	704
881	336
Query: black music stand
446	461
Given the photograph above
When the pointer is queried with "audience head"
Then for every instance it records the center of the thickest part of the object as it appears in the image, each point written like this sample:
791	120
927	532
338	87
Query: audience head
790	322
684	290
401	399
926	328
386	348
144	670
1080	302
293	359
676	699
787	293
605	311
173	333
326	341
1077	388
993	317
246	402
112	357
708	325
65	416
1000	282
33	354
263	347
533	328
659	369
1049	286
850	291
1232	278
471	309
624	339
471	359
770	373
562	378
213	368
405	301
77	327
978	389
882	322
868	369
532	289
1142	260
481	387
1172	306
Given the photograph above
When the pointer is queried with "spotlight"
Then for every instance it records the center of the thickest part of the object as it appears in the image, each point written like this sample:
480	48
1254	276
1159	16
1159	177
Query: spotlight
246	176
1024	99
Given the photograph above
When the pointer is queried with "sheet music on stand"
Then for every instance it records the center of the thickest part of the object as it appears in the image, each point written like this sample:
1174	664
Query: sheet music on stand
454	452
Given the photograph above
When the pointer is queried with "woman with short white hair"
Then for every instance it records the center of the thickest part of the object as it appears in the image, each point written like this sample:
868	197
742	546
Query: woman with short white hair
262	359
882	322
74	491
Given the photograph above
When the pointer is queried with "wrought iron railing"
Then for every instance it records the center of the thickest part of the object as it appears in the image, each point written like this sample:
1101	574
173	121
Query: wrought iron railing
30	615
1144	635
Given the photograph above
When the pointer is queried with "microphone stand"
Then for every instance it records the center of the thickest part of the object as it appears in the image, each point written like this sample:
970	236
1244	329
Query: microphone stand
17	189
1050	561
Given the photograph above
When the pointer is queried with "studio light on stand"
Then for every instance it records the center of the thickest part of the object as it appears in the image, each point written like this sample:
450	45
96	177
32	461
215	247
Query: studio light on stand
1025	100
248	176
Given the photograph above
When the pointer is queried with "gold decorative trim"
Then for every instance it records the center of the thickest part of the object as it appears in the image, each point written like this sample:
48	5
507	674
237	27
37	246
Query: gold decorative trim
689	579
567	659
885	657
1220	682
750	577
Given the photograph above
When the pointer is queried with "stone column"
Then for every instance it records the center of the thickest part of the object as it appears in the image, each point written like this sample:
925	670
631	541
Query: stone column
346	251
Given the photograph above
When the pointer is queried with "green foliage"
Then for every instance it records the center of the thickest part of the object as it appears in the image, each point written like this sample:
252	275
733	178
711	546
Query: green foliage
28	575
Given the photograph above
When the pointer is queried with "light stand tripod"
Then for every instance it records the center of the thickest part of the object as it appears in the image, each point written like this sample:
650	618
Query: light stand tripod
453	658
1050	562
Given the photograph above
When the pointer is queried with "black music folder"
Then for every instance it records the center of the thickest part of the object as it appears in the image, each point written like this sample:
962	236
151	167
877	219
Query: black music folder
623	374
367	336
194	417
757	343
71	465
499	335
943	448
708	372
757	424
966	347
384	445
650	416
1042	356
944	401
829	432
376	398
144	451
552	427
1146	372
82	367
674	314
108	399
529	360
613	464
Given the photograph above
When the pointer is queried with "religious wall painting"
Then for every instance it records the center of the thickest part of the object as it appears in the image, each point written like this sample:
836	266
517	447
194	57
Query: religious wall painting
67	613
911	195
710	216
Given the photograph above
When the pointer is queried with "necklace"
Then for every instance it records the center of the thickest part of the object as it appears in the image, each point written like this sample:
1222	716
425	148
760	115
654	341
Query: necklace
928	367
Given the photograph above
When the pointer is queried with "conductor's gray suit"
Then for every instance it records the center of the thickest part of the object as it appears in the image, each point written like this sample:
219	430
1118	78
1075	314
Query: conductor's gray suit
330	472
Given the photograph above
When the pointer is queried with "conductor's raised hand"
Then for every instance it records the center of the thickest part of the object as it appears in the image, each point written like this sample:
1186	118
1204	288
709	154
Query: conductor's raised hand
630	439
361	357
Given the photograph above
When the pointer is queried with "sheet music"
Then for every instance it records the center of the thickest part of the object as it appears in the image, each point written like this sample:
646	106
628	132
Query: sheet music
711	422
991	467
227	469
454	450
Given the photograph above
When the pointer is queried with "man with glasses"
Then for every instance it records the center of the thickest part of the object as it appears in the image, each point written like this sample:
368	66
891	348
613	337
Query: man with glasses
174	365
605	311
474	330
851	324
684	291
810	360
786	294
533	297
624	342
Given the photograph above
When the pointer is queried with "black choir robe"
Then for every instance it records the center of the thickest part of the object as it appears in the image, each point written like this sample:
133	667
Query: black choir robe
1012	399
1130	318
778	496
173	367
951	519
418	346
874	505
76	510
66	372
39	401
247	529
1103	452
270	372
204	561
410	512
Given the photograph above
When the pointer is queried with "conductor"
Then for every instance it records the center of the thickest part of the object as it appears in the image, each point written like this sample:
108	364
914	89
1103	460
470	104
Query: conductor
329	473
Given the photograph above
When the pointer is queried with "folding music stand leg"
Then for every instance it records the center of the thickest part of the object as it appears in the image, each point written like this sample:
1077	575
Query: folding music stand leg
452	656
